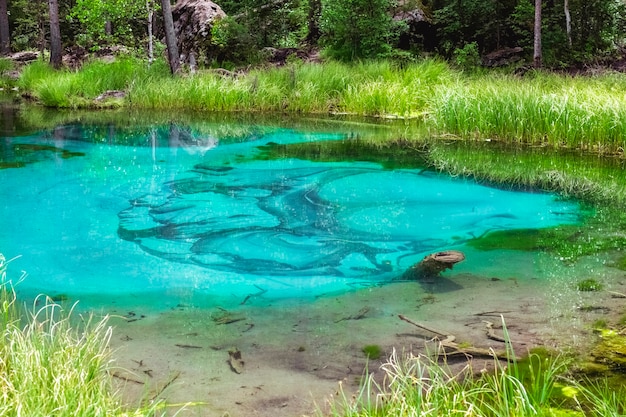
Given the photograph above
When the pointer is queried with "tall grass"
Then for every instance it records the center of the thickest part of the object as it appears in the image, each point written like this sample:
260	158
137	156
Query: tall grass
582	113
78	89
546	109
423	386
54	365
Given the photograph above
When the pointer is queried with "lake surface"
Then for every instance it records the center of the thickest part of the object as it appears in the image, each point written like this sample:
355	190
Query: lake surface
197	240
191	213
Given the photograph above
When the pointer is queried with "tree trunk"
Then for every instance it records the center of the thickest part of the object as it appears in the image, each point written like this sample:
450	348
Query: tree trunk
170	37
56	52
5	39
315	11
537	54
568	22
150	8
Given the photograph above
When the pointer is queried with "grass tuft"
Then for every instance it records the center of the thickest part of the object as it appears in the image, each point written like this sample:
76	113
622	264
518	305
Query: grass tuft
54	364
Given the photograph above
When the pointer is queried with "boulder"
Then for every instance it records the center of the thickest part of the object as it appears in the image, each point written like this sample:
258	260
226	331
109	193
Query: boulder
193	21
502	57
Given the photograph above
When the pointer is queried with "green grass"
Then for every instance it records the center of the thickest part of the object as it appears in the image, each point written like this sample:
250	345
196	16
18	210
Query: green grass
586	113
580	113
54	364
427	386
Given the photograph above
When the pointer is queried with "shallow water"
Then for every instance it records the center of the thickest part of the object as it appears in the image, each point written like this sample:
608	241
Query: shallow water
183	216
196	244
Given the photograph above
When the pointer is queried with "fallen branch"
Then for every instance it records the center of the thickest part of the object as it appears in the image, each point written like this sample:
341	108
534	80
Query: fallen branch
448	342
126	378
164	387
491	333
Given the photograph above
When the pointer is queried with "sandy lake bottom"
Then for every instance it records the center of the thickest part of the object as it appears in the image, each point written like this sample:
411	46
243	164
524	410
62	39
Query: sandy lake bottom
295	353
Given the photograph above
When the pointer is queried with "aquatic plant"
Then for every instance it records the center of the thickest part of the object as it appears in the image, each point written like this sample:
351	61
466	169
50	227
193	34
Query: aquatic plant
422	385
580	113
589	284
372	351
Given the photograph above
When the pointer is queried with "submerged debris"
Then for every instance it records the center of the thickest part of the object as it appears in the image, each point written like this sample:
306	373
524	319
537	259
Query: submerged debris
434	264
235	361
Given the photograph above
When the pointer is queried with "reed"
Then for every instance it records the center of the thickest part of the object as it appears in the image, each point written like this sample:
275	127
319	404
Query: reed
581	113
540	109
427	386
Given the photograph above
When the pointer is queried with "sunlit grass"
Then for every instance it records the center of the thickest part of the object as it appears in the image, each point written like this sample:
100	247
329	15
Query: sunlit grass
427	386
548	109
581	113
54	364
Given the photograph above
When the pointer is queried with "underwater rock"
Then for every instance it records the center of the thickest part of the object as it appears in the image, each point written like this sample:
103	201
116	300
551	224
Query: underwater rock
434	264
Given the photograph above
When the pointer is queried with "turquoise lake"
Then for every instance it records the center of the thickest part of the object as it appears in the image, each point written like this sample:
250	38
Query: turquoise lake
183	215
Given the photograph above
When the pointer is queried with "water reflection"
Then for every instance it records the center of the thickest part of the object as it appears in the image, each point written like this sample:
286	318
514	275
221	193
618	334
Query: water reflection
159	207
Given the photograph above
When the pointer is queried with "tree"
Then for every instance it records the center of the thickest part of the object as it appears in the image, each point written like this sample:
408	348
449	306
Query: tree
110	21
537	53
5	40
170	37
356	29
56	52
568	22
315	11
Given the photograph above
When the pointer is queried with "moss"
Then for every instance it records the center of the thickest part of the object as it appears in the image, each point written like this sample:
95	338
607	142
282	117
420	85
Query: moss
599	324
611	351
588	285
372	351
520	239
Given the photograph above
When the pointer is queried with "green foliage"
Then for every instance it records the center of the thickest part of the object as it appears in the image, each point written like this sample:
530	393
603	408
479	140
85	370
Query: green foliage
123	16
235	43
271	24
462	22
372	352
467	58
27	20
358	29
589	284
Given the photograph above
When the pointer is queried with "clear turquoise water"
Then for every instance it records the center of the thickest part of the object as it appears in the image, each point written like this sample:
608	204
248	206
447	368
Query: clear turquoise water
197	218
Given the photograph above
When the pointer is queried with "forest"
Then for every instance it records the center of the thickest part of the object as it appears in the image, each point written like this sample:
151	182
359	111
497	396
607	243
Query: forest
558	34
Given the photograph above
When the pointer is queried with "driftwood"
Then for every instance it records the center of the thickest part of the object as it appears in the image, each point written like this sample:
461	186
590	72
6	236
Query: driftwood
447	342
235	360
434	264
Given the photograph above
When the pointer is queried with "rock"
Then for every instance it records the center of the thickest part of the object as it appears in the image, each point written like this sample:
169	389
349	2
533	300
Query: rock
193	21
502	57
25	56
109	94
434	264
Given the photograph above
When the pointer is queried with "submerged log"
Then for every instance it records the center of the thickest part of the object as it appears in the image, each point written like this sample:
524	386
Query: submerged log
434	264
